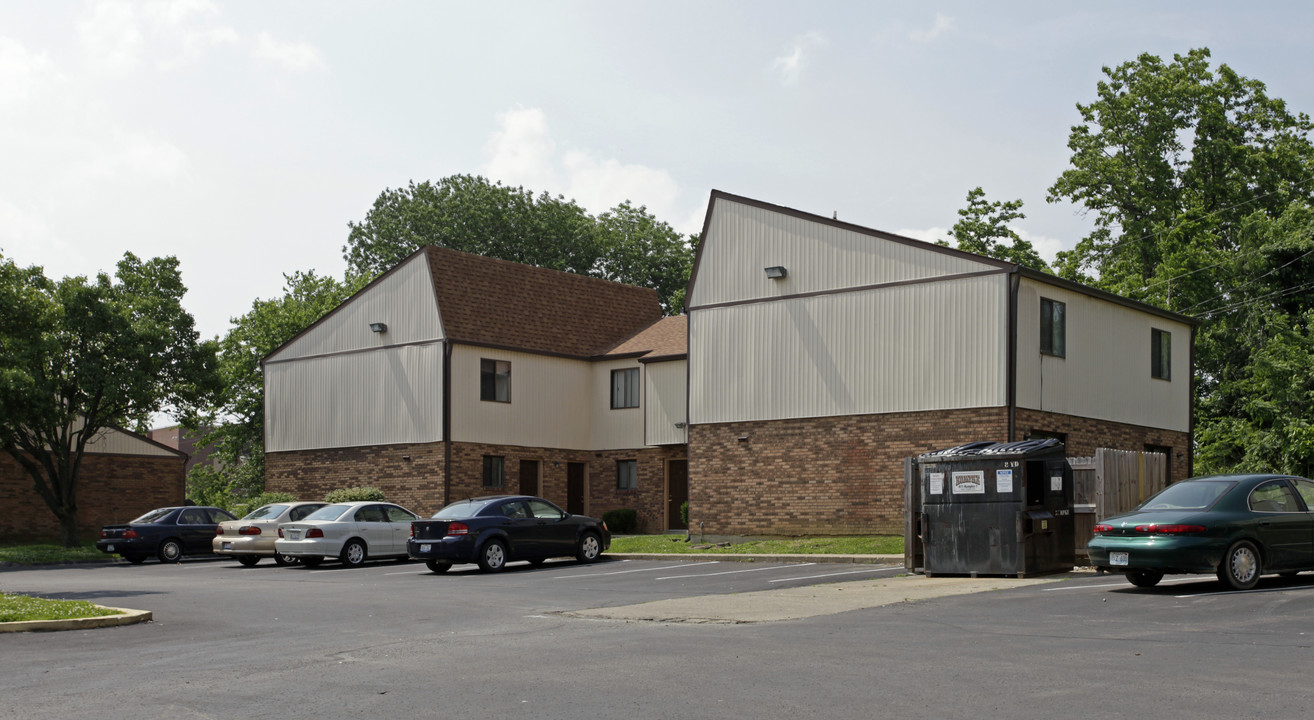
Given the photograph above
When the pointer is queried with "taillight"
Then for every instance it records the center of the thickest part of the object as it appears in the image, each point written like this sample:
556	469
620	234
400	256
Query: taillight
458	529
412	529
1153	529
248	530
280	532
314	532
1102	528
129	534
104	534
604	526
218	529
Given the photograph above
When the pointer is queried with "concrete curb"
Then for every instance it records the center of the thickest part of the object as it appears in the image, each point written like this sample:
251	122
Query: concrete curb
129	617
743	557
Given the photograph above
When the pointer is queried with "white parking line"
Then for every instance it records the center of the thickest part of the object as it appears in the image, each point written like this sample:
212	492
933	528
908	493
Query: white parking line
1246	592
1123	584
624	572
849	572
732	572
410	572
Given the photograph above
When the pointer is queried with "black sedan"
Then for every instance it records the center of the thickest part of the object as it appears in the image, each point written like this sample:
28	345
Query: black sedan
493	531
1236	526
167	533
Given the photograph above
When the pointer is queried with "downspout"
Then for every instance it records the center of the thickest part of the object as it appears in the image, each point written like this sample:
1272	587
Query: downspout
1014	282
1190	409
447	423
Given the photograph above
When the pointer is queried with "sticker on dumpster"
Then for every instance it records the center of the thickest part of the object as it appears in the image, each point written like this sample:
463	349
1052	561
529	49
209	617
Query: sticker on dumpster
1056	483
936	482
969	483
1004	481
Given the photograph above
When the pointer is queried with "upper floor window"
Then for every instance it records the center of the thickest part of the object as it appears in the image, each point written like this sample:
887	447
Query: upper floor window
1053	327
1161	354
495	380
494	471
625	388
627	474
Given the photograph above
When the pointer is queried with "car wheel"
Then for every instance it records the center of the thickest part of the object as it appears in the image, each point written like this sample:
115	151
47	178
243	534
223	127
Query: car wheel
312	561
492	557
284	560
353	553
135	558
248	560
438	566
589	548
170	551
1241	566
1144	578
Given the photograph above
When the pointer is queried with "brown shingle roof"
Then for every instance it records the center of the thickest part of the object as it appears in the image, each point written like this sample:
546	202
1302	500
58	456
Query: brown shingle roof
487	301
668	337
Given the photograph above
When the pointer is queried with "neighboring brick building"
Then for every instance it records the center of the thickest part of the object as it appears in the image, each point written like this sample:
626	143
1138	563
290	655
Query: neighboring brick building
178	438
122	476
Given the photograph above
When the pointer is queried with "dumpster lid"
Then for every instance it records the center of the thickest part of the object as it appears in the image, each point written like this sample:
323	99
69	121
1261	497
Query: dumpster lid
997	449
1039	515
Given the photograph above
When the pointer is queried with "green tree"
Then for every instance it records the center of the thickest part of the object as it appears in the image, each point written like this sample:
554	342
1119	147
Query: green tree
982	225
237	417
641	250
78	356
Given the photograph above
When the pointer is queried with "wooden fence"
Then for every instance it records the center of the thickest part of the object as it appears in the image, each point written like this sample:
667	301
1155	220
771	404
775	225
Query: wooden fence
1113	482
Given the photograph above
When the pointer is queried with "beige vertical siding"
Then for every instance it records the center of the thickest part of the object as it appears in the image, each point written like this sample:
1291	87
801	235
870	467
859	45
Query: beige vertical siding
618	429
378	397
112	441
551	401
665	390
742	240
925	346
1106	371
403	300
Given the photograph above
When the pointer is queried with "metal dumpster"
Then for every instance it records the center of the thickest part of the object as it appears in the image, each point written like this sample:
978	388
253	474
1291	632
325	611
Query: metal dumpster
992	508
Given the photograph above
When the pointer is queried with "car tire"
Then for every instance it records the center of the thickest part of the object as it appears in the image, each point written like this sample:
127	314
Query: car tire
492	556
589	548
353	553
1241	566
284	560
1144	578
248	560
135	558
170	550
312	561
438	566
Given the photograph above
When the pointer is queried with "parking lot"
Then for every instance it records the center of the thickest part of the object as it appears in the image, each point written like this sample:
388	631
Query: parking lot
392	639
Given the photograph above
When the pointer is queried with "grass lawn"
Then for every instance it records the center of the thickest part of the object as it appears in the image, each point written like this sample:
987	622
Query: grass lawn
863	545
47	554
18	608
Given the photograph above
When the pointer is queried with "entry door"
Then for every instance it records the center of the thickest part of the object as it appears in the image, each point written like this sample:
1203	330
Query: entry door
575	488
677	492
529	477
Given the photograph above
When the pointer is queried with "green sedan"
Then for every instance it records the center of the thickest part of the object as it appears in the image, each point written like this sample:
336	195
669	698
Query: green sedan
1237	526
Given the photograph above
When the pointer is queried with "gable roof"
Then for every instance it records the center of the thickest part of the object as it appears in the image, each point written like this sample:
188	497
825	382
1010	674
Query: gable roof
504	304
666	339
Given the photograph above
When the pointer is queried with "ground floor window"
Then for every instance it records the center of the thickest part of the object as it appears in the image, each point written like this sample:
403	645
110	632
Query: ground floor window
494	471
627	474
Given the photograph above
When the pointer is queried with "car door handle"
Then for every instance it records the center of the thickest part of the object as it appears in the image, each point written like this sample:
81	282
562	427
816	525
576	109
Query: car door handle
1265	523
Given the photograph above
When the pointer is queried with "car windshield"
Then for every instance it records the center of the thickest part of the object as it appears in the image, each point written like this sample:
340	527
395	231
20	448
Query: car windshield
153	516
265	513
329	512
462	509
1188	496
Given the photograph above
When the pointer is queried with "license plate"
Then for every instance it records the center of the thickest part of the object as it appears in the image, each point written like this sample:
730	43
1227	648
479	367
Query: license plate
109	548
228	546
293	534
1118	558
426	548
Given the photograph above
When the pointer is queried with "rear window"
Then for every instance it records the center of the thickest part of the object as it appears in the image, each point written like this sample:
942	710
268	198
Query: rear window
462	509
329	512
268	512
154	516
1188	496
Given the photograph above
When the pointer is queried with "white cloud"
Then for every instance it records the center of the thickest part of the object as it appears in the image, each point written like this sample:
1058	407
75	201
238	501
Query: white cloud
296	56
23	234
941	25
111	36
130	156
21	73
520	151
790	65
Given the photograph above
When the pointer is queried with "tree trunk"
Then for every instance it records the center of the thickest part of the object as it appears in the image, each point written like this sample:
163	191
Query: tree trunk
68	530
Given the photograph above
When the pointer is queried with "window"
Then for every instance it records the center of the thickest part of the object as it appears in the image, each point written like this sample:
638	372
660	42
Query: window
625	388
494	471
1053	327
1274	497
627	474
495	380
1161	354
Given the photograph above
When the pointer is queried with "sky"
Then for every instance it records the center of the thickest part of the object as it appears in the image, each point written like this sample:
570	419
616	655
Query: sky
243	137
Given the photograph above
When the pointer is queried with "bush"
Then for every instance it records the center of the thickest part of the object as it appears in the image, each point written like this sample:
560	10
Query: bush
240	509
684	513
622	521
355	494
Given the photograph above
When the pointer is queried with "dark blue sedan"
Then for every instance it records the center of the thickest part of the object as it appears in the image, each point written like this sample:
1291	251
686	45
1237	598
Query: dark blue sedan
493	531
167	533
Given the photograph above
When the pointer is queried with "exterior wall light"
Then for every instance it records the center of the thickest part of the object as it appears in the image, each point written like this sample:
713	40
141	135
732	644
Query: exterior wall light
775	272
379	327
679	426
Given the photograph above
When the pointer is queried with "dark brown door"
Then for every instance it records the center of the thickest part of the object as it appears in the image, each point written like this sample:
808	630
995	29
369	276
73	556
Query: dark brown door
677	492
528	477
575	488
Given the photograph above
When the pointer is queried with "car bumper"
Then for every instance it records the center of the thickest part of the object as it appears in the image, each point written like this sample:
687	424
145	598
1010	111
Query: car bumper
119	546
243	545
318	547
452	549
1169	555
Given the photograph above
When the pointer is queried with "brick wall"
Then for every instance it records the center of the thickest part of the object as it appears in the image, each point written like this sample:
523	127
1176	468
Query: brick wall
844	475
111	489
412	475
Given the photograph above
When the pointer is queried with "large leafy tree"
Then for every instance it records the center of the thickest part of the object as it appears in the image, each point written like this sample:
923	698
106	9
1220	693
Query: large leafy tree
1199	184
983	228
471	214
81	355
